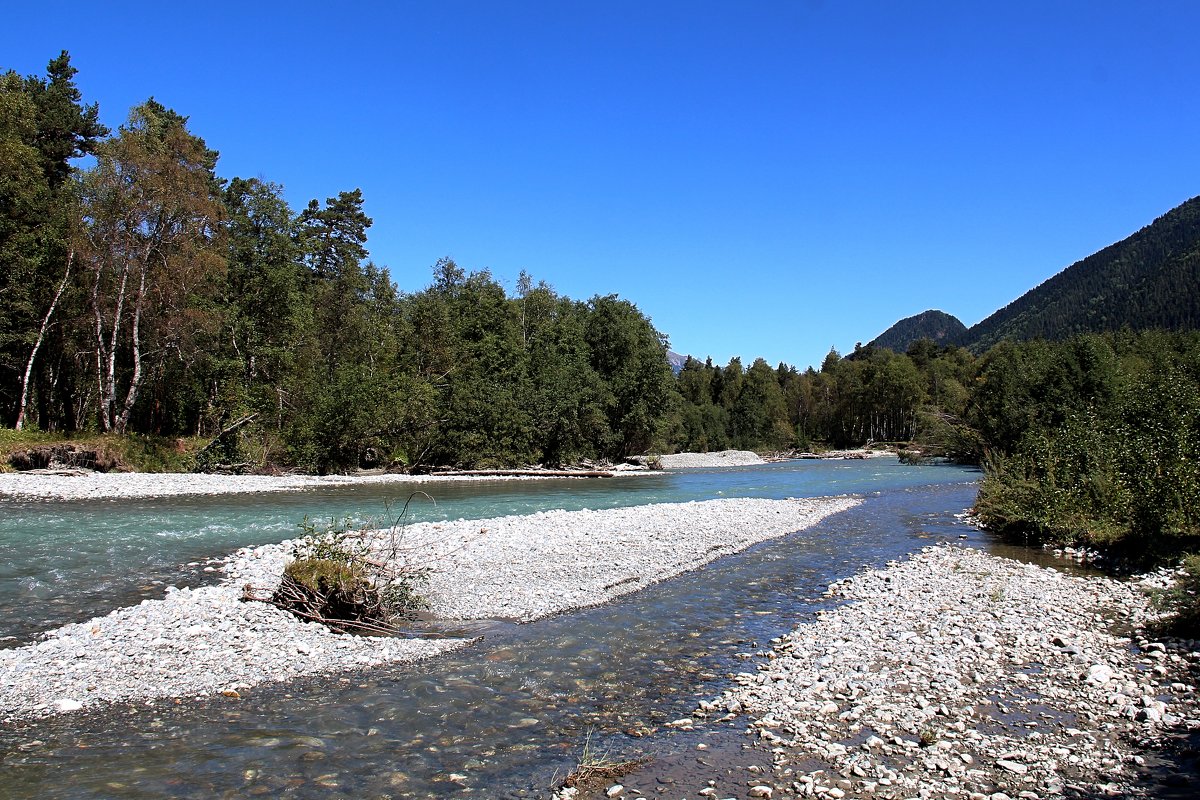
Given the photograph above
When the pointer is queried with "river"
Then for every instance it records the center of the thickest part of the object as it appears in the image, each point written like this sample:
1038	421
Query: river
507	717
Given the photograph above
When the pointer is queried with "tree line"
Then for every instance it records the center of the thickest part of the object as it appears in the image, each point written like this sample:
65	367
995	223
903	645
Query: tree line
144	293
147	294
1094	440
872	395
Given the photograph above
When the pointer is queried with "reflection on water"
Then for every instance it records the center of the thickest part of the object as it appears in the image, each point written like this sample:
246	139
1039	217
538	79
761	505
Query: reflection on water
505	718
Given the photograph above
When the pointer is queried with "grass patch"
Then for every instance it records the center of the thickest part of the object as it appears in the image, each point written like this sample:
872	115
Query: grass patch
130	453
1182	601
595	766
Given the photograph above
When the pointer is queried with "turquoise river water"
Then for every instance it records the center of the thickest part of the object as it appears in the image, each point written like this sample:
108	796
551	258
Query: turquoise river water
507	717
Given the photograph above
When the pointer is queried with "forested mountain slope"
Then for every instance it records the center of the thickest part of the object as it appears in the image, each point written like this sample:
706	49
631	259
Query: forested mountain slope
937	326
1148	280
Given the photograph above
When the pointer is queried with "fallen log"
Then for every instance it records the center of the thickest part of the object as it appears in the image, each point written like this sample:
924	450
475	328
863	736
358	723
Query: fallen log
529	473
525	473
228	429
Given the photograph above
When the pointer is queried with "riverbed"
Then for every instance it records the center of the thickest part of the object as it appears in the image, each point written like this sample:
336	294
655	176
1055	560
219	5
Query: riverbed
509	716
518	568
67	561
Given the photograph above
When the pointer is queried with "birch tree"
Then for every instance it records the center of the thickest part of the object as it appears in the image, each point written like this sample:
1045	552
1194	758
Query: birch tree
152	248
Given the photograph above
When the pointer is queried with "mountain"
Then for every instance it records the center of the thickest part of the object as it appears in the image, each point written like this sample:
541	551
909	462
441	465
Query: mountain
938	326
676	361
1148	280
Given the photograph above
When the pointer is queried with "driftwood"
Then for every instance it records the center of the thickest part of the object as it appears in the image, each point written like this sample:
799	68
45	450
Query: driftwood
239	468
228	429
347	608
296	598
526	473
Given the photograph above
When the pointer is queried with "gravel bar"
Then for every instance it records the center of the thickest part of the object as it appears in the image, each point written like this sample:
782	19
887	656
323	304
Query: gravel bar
961	674
129	485
725	458
197	642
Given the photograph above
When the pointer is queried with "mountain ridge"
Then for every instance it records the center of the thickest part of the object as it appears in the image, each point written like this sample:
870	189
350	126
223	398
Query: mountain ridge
1149	279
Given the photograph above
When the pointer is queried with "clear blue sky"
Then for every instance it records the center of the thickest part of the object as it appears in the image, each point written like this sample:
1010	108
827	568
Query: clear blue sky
761	178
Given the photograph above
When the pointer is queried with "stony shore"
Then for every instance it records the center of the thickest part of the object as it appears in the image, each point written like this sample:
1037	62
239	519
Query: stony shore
79	485
958	674
207	640
70	484
746	458
725	458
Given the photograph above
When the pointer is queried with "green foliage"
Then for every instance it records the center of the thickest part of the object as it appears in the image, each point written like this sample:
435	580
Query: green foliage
152	254
630	356
215	302
1094	440
1182	601
43	128
932	327
874	396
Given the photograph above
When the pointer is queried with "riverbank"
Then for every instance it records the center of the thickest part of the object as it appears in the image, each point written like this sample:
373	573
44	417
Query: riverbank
207	640
82	485
959	674
746	458
724	458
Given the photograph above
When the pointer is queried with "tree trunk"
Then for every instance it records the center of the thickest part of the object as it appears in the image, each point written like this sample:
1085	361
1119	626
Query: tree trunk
106	352
136	381
37	345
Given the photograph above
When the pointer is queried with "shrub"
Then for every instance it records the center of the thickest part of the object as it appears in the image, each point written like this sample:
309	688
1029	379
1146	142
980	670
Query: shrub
337	578
1182	600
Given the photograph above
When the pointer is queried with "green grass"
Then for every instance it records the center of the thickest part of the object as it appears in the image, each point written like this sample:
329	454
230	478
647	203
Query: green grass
139	453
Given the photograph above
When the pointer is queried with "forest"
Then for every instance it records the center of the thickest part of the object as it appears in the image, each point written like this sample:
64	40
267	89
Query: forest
1146	280
145	294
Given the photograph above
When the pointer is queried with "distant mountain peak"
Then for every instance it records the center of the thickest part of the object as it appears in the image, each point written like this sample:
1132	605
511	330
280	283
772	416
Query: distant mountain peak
676	361
937	326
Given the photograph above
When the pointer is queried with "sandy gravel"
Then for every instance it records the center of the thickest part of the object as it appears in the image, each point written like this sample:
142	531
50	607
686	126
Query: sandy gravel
126	485
197	642
725	458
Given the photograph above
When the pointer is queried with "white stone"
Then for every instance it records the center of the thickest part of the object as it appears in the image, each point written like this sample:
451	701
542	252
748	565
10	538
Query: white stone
1099	674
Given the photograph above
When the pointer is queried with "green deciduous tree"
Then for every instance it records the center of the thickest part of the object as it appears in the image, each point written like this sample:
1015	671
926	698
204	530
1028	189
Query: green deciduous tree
153	250
630	356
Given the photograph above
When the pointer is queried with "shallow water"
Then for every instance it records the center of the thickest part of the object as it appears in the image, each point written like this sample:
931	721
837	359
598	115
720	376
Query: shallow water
509	716
68	561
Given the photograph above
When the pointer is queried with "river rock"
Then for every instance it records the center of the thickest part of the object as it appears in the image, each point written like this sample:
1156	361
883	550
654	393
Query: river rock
943	659
1099	674
207	641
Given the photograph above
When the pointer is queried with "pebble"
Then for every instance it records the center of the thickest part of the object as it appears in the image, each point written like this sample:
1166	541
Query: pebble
724	458
126	485
207	641
969	673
